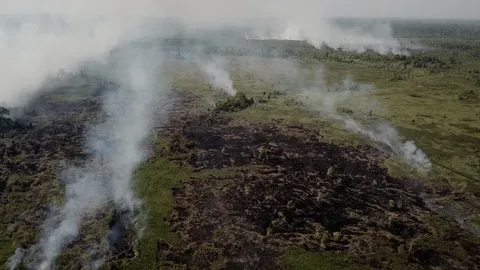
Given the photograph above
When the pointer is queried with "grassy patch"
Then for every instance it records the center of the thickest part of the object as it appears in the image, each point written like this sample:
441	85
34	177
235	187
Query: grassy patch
475	220
155	180
26	193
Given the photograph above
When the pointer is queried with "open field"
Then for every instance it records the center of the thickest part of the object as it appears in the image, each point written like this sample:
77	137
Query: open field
271	178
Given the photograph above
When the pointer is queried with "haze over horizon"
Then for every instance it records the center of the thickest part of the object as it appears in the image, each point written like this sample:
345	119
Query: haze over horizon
214	10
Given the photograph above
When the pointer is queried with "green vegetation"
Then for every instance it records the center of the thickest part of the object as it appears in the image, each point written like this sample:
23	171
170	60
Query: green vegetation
467	95
237	103
475	220
155	179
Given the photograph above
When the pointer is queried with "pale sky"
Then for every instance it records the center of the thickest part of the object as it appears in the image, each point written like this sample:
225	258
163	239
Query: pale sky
223	9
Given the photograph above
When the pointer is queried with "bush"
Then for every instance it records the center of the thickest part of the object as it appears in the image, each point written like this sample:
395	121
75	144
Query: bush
6	122
468	95
397	77
344	110
4	111
238	103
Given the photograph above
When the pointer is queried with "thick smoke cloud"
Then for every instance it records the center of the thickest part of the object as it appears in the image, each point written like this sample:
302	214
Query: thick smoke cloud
39	45
35	46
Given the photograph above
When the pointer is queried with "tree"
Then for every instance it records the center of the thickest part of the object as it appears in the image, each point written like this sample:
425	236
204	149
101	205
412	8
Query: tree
4	111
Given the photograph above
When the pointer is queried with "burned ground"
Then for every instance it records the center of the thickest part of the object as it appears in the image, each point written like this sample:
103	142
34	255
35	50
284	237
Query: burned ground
287	188
48	138
291	189
32	153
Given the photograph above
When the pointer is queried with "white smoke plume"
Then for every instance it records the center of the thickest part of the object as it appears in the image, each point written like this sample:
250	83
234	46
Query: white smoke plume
117	149
325	99
37	38
34	46
218	76
377	37
61	35
16	259
385	133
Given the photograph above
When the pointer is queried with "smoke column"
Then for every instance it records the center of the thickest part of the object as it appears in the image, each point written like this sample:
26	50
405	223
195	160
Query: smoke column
318	99
388	135
117	149
219	77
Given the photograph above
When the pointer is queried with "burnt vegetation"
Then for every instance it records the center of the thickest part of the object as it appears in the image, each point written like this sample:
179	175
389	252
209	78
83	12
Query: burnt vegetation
301	192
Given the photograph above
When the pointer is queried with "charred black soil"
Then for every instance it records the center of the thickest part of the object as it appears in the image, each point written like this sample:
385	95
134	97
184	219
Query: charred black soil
290	189
34	151
286	188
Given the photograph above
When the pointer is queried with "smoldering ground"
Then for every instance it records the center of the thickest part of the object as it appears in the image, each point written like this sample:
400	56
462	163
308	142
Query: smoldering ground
87	30
217	74
117	146
326	99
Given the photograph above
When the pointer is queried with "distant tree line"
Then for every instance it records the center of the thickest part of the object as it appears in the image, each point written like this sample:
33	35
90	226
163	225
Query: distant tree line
436	29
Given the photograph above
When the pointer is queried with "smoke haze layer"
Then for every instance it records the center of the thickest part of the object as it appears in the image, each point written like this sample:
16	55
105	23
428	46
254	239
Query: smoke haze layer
39	38
33	47
377	37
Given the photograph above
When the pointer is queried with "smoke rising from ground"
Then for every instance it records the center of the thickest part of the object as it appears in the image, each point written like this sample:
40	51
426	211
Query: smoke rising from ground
325	99
117	149
385	133
36	45
377	37
218	76
16	259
